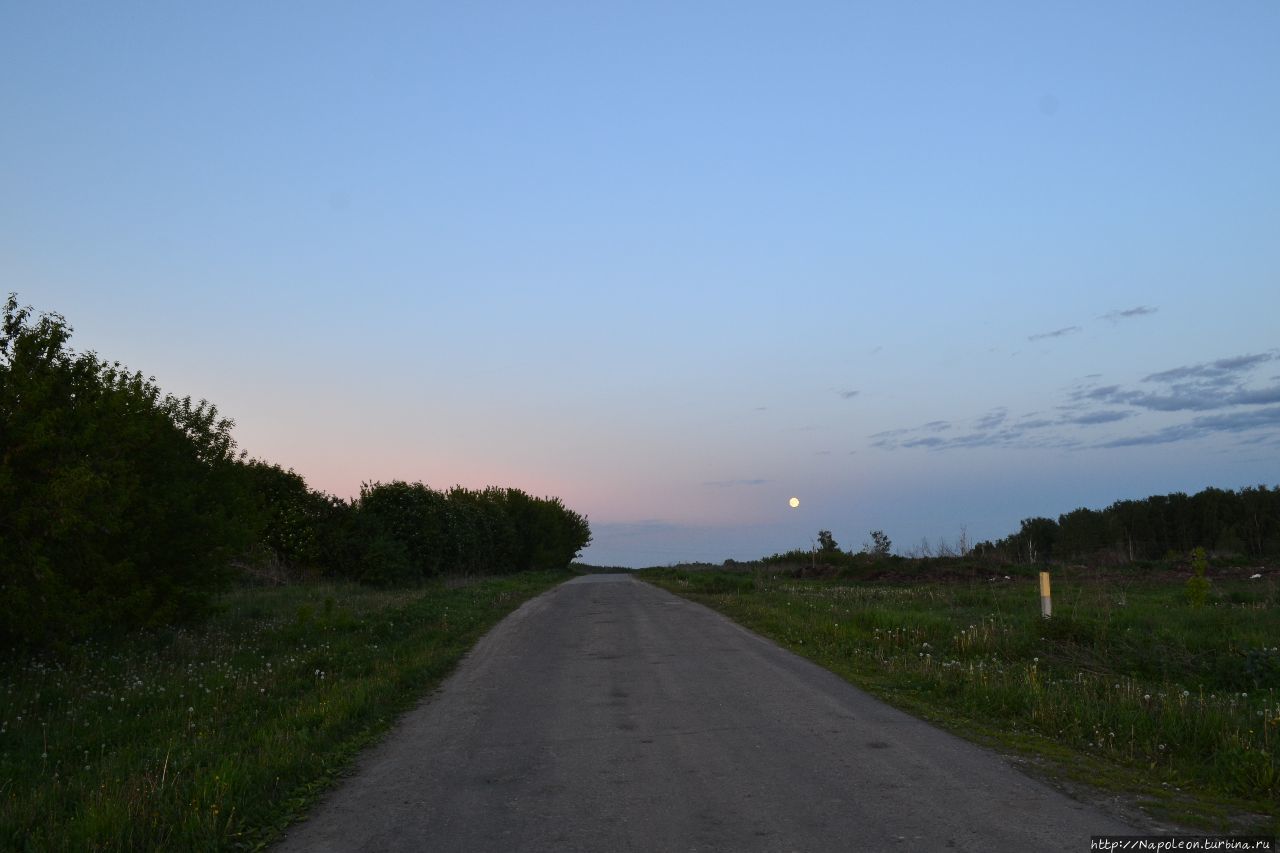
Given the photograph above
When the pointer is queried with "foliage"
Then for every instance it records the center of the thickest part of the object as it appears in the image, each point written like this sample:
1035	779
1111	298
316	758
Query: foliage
489	531
122	506
826	542
1244	522
880	545
1198	584
407	533
214	737
119	505
294	524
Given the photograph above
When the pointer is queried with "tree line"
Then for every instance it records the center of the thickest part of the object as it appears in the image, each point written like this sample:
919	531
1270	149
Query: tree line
1245	522
122	506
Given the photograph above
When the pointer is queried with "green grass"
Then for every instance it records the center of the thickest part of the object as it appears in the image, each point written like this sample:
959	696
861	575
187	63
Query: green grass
214	738
1127	686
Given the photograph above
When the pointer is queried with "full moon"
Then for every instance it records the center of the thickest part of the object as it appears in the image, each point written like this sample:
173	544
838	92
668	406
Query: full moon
795	502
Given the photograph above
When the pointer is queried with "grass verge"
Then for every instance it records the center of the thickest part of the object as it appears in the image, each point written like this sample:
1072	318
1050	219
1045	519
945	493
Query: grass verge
1127	687
215	738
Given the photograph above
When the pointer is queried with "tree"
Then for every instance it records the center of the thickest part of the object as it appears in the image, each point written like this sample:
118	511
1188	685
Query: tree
1082	533
826	542
119	505
1036	539
880	544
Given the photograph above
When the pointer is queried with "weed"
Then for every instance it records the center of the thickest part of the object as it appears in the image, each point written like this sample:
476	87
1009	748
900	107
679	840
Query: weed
1198	584
1122	677
214	738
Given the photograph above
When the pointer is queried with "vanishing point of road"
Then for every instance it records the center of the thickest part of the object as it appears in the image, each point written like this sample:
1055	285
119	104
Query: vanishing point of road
609	715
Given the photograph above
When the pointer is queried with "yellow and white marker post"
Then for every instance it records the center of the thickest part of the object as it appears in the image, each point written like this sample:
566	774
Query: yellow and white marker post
1046	600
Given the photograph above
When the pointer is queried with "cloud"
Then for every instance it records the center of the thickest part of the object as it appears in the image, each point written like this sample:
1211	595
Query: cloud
988	433
1201	387
1128	313
1204	426
1103	416
1056	333
1222	389
992	419
849	395
1105	392
1189	398
1223	367
727	484
1239	421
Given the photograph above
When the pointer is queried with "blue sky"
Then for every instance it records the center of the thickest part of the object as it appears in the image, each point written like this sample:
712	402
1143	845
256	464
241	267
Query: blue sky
924	267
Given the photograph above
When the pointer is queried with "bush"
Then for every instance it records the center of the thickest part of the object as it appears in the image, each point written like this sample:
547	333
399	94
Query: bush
119	506
489	532
1198	584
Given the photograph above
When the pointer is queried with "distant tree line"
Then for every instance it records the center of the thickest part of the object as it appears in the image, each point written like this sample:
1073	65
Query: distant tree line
122	506
1224	522
1242	524
398	532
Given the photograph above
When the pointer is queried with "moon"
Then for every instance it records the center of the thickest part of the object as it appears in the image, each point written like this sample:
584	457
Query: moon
795	502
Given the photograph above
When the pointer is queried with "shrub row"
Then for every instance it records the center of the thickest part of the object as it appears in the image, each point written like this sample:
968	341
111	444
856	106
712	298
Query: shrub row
122	506
399	532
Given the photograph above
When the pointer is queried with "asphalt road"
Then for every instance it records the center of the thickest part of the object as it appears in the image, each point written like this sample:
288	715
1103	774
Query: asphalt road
608	715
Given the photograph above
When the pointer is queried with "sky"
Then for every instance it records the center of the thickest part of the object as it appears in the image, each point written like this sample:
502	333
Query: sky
931	268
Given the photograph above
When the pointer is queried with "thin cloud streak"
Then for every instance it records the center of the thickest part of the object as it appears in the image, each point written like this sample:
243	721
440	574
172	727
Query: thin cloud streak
1099	417
1129	313
992	419
1213	369
1056	333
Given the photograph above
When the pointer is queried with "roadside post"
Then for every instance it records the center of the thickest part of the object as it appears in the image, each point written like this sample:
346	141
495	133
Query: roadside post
1046	600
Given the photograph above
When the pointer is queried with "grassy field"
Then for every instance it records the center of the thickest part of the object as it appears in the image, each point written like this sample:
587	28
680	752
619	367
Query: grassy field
1127	687
215	738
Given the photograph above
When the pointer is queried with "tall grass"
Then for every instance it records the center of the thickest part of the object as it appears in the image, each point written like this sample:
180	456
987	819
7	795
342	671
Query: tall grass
1125	673
214	738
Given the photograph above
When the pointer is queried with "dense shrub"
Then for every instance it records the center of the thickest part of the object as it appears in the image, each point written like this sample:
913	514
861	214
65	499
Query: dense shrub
119	505
489	531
